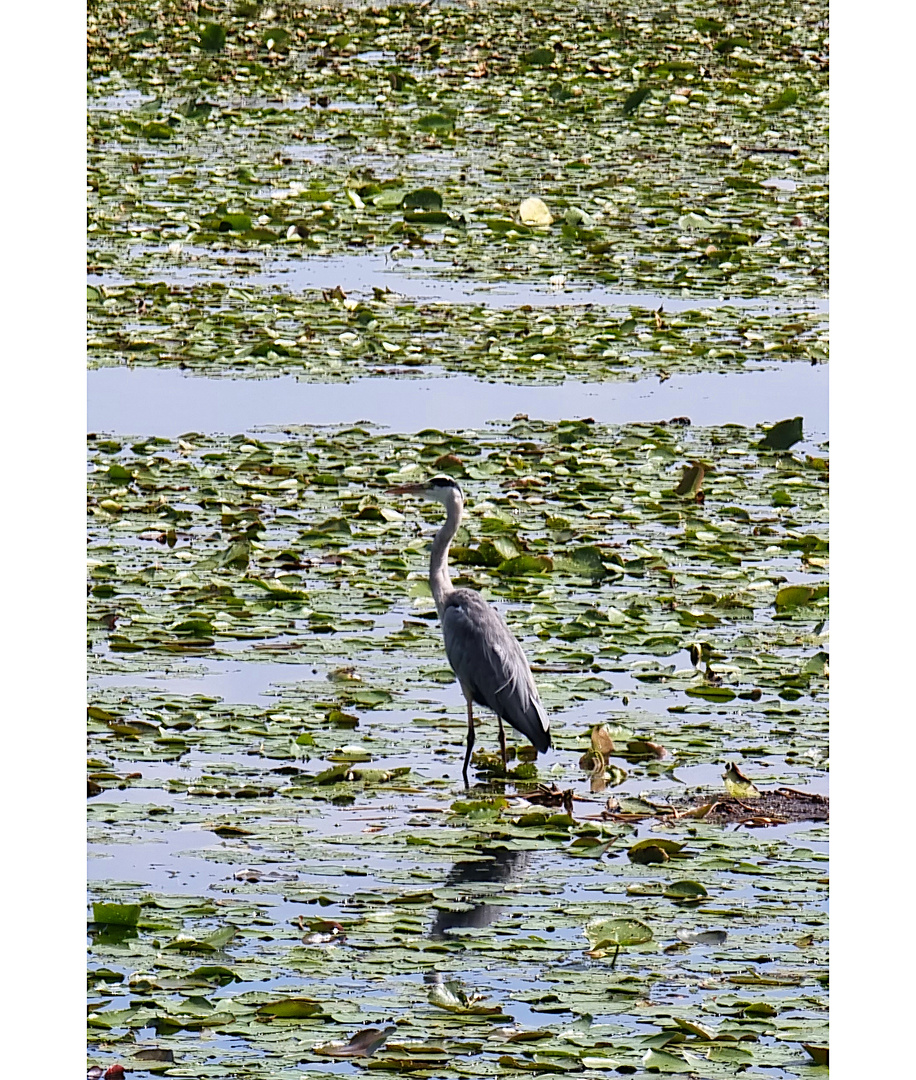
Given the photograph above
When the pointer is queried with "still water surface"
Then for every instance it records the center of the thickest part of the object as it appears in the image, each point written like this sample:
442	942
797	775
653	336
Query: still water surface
167	402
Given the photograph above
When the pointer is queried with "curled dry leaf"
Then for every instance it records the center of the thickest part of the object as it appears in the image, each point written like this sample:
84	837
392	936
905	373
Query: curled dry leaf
820	1055
738	785
692	479
602	743
699	811
703	937
644	748
693	1028
363	1044
450	463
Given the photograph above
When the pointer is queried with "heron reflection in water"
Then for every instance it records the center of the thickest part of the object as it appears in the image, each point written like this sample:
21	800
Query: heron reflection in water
497	867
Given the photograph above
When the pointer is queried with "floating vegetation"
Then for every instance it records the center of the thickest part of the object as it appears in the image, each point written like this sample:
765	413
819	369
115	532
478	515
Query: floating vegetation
654	153
333	795
663	152
237	331
287	877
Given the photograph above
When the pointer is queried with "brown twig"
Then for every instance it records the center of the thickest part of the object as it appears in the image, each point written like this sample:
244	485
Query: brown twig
811	795
556	669
770	150
744	805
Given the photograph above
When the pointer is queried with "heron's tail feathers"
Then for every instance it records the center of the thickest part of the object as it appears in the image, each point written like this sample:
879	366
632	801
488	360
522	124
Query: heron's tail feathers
532	722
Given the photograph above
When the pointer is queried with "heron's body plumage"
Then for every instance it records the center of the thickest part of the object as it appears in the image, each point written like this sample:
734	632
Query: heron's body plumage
491	666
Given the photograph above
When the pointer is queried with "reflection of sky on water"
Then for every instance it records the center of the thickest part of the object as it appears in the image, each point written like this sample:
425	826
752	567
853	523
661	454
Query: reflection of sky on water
167	402
421	279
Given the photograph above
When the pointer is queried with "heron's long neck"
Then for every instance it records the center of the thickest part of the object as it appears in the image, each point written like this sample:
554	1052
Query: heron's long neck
439	581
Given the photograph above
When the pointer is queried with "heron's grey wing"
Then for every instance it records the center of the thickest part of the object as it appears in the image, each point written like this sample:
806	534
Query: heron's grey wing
491	665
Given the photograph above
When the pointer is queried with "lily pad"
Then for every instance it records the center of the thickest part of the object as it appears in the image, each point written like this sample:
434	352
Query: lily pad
212	38
291	1008
116	914
685	890
783	435
422	199
607	933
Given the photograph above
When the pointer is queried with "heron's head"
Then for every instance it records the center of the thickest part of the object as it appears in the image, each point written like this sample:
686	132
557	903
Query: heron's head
440	489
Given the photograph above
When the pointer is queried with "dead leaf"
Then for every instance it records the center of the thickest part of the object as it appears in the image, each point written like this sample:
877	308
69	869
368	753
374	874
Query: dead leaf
699	811
738	785
692	479
602	743
363	1044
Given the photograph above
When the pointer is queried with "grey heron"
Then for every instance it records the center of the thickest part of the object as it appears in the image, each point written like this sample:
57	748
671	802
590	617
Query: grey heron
490	664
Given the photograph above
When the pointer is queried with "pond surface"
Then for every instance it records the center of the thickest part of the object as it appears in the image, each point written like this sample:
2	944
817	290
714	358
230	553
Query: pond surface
261	749
312	277
167	402
361	275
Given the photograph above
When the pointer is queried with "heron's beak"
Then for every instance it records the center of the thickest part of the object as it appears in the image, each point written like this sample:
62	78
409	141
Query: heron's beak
407	489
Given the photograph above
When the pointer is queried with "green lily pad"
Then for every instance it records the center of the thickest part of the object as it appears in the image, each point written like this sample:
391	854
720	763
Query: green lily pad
606	933
212	38
116	914
422	199
685	890
662	1061
437	123
540	57
635	99
525	565
783	435
291	1008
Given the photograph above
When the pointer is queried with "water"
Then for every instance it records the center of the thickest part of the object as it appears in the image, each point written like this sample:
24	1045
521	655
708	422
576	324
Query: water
426	280
168	402
241	683
164	863
422	279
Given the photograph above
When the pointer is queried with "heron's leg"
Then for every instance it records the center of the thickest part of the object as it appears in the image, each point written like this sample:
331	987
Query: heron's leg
467	756
502	743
